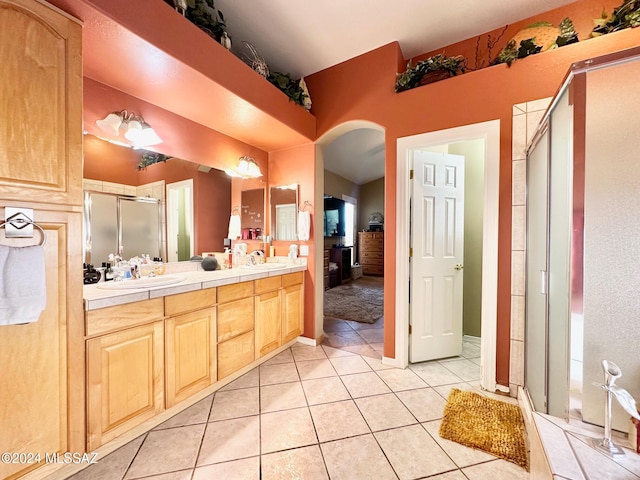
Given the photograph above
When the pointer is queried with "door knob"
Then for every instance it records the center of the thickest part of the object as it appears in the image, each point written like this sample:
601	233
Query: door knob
459	266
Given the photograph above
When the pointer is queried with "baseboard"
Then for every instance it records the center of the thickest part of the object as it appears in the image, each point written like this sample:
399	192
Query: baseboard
312	342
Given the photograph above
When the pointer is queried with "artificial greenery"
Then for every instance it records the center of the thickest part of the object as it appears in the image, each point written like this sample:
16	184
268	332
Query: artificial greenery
513	52
204	15
412	76
626	15
150	158
294	89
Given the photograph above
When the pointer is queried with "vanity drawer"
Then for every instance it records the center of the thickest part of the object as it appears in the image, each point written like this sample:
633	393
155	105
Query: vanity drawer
292	278
124	316
190	301
236	291
268	284
235	318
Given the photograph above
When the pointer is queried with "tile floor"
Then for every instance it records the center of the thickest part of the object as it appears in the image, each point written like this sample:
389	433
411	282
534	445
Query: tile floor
315	413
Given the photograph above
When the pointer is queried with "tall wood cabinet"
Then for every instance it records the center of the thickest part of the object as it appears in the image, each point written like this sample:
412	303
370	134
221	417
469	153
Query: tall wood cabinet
42	363
371	252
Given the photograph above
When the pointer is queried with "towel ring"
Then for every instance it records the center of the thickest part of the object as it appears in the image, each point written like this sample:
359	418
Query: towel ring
23	223
235	210
305	205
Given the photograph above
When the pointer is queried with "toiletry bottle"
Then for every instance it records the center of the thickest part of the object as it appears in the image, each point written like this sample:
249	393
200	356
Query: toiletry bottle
108	271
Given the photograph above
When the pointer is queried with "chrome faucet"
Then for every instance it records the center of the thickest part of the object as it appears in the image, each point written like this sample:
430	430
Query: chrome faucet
253	255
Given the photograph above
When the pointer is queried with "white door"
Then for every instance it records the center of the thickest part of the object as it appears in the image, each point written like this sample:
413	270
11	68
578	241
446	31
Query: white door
180	241
437	239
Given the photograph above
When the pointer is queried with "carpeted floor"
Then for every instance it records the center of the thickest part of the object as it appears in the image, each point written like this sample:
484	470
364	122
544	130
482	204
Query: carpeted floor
487	424
359	300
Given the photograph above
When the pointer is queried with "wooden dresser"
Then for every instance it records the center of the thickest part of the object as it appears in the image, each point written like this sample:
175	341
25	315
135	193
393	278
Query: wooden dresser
326	269
371	252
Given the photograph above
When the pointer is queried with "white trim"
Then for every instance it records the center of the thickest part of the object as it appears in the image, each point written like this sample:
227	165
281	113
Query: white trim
490	132
308	341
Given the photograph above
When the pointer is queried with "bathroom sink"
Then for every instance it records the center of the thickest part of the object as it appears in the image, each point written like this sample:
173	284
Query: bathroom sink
265	266
144	282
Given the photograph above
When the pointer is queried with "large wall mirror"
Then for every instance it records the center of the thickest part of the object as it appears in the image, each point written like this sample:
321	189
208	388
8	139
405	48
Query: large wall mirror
284	212
194	202
252	213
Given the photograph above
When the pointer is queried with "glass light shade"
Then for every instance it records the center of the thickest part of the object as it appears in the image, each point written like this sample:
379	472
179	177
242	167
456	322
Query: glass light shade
254	170
148	136
243	168
134	131
110	124
232	173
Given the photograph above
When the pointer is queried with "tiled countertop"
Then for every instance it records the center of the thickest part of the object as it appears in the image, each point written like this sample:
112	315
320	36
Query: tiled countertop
194	279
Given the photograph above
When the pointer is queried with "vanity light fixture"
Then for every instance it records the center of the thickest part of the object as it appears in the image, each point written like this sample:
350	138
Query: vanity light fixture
135	129
247	168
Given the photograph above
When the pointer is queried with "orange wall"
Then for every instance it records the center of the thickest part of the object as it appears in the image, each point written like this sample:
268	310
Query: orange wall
362	89
297	165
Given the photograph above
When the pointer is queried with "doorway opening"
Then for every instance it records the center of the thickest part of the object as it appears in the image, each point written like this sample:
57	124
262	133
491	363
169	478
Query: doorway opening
180	241
489	133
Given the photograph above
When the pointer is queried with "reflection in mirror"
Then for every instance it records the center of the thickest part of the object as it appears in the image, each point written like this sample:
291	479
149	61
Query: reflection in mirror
284	212
113	169
252	213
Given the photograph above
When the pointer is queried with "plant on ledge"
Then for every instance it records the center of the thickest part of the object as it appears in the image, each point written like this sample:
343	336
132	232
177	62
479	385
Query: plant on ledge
150	158
429	70
626	15
296	90
203	14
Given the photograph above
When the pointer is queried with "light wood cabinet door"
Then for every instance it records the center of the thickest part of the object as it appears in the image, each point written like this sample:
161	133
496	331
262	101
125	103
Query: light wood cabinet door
40	104
42	363
125	381
190	351
235	354
268	326
292	312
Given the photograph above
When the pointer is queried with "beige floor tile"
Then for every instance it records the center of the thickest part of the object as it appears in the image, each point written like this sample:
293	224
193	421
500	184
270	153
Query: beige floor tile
324	390
197	413
470	350
315	369
332	352
373	335
347	365
244	469
445	390
384	411
496	470
406	449
283	357
378	347
376	364
425	403
365	350
154	458
278	373
461	455
230	440
335	325
307	352
463	368
286	429
434	374
180	475
249	379
401	379
454	475
113	465
334	421
298	464
235	403
343	339
281	397
364	384
356	458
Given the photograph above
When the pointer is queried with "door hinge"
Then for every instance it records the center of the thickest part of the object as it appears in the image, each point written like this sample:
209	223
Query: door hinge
410	252
410	329
411	174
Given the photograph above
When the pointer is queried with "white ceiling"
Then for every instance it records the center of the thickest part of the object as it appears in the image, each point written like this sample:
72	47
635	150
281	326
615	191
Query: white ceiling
301	37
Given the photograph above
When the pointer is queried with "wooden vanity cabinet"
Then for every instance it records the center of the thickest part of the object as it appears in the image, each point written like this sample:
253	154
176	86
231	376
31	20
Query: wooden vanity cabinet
125	381
190	344
268	329
236	319
292	295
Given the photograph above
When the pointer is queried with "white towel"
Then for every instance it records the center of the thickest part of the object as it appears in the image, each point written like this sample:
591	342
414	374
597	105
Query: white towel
234	227
23	291
304	225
